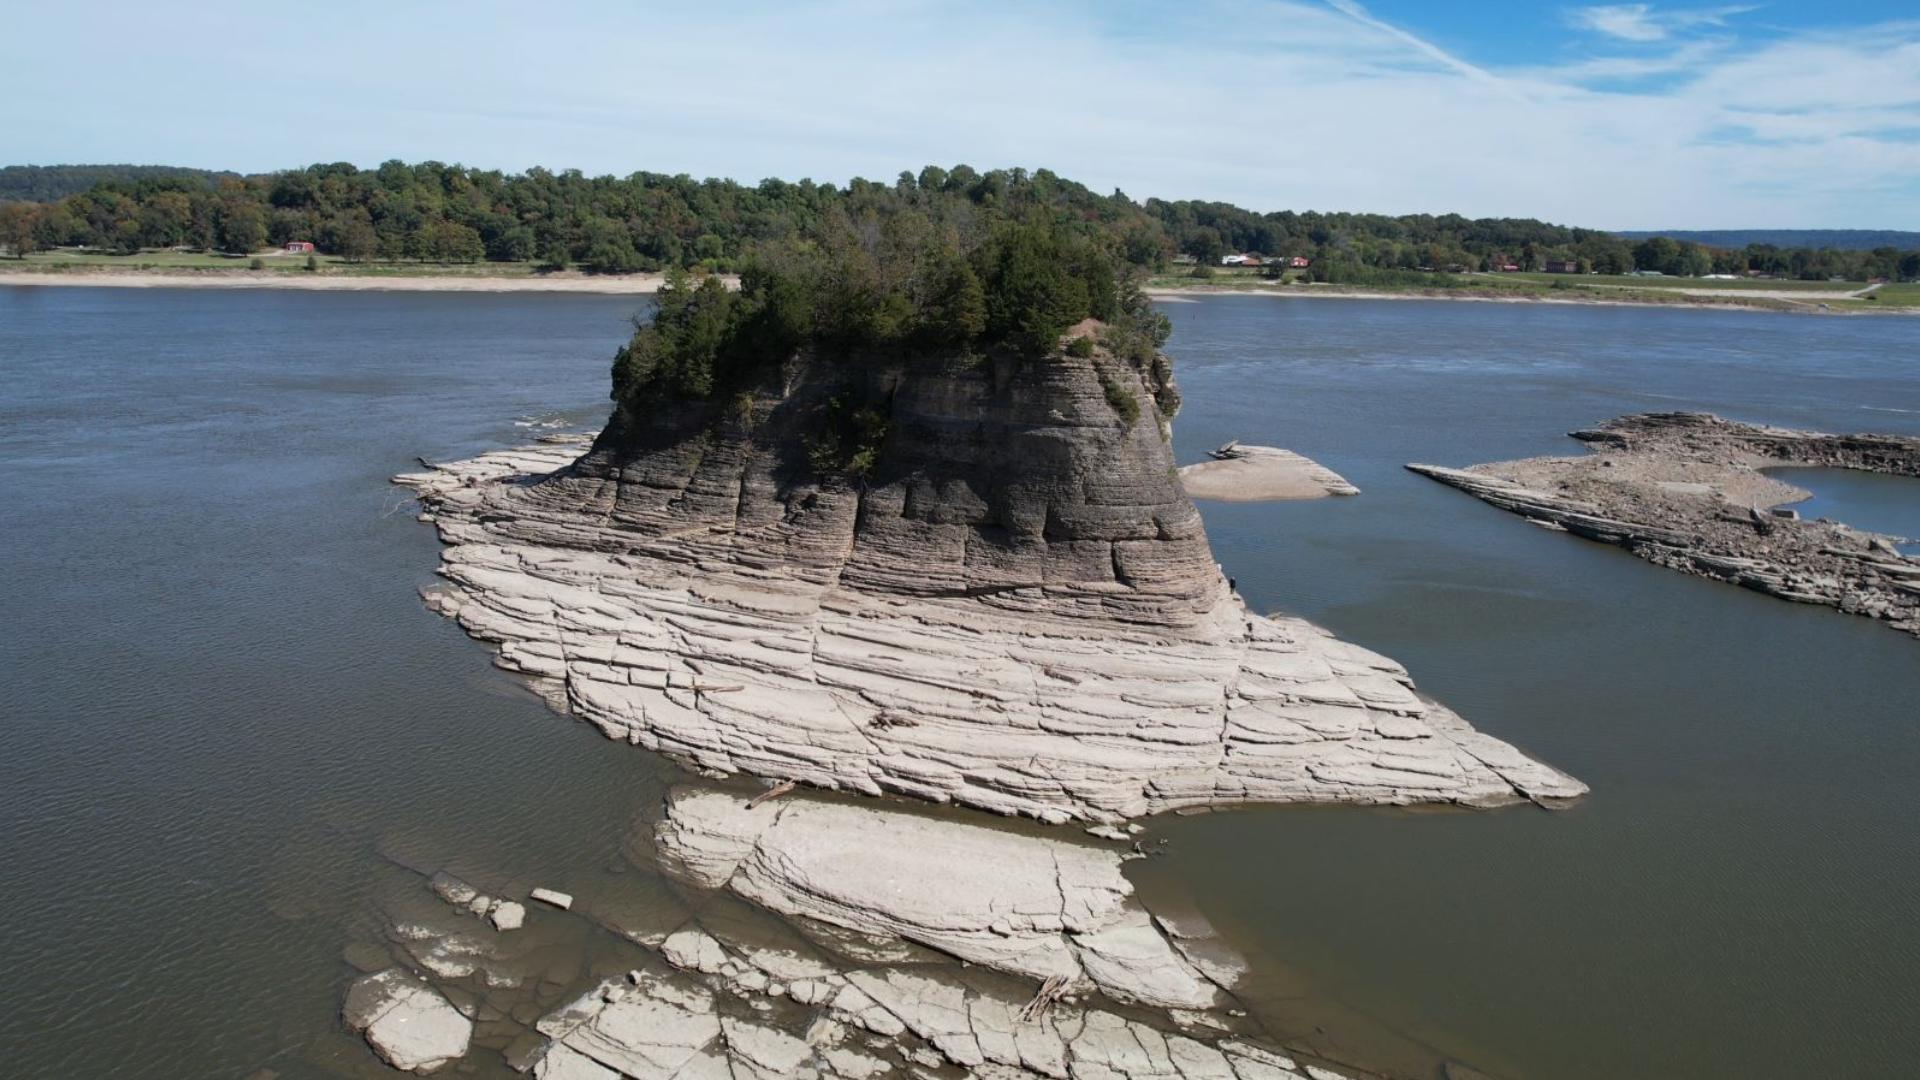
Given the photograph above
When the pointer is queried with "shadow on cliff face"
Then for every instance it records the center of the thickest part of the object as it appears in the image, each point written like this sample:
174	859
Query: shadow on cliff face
956	475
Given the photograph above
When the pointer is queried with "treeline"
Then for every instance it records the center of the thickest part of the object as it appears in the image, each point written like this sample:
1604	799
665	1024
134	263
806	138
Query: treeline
1345	247
649	221
1843	239
51	183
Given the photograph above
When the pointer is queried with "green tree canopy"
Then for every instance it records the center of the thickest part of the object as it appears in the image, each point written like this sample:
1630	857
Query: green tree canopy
883	286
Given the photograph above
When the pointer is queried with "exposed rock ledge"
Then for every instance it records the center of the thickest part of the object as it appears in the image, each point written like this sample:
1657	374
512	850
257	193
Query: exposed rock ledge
1044	908
408	1023
803	947
1685	491
1025	905
1241	473
1016	610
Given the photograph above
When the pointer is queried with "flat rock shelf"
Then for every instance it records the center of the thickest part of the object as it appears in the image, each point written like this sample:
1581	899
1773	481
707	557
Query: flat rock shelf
1093	679
815	937
1241	473
1686	491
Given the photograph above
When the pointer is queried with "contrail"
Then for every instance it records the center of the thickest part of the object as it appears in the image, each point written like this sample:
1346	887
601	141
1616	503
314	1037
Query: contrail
1352	10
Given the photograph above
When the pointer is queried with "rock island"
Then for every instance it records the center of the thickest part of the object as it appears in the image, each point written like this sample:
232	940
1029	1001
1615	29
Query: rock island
928	540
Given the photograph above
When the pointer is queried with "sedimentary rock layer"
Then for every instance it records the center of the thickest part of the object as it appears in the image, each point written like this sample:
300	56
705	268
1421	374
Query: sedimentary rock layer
1038	907
1684	491
1016	609
1054	911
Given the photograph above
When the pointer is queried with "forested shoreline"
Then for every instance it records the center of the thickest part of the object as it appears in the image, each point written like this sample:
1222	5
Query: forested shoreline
436	213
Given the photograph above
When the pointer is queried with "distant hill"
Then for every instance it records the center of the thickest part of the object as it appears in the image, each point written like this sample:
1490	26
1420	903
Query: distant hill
1838	239
51	183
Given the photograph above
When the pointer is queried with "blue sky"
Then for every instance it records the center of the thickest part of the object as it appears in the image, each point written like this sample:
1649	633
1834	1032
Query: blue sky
1615	115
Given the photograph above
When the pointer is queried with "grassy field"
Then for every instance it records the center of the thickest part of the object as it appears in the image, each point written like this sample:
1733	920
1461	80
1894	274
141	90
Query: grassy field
1628	281
1899	296
77	259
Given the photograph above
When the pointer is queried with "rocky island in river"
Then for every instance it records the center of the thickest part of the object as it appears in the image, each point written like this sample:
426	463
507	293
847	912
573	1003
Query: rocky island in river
966	576
1686	491
944	555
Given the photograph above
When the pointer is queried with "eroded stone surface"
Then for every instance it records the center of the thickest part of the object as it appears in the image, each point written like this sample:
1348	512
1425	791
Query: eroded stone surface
863	1023
408	1023
1059	646
1685	491
1026	905
507	915
719	988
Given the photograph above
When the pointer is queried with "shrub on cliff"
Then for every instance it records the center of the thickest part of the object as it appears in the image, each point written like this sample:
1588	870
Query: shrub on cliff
1126	405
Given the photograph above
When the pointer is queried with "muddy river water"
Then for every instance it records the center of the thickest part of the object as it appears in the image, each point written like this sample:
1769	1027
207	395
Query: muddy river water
228	729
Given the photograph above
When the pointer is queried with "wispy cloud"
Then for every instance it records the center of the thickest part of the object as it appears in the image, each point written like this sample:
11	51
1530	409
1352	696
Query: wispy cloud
1691	57
1301	104
1644	24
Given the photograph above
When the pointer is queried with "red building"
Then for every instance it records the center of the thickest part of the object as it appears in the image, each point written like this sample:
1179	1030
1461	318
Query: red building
298	247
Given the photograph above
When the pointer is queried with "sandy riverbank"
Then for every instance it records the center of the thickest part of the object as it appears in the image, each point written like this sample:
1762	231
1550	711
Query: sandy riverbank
259	279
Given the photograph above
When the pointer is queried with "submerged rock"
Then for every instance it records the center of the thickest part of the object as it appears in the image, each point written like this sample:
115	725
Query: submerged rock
1685	491
750	982
1014	609
408	1023
453	890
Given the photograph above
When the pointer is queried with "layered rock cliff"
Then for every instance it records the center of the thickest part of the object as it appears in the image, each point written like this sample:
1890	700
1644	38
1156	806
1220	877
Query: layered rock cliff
968	580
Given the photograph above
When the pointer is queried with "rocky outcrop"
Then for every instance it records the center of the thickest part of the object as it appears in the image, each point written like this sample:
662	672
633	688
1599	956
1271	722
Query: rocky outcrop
1684	491
881	1022
1241	473
408	1023
1110	995
1026	905
1014	606
815	936
504	914
884	1023
1706	437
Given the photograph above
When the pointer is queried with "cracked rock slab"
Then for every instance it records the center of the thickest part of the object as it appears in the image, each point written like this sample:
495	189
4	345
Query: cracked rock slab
408	1023
1028	905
